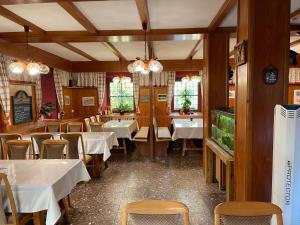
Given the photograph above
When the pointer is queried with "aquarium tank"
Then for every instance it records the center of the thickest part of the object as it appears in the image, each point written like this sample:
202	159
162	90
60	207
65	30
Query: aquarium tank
222	130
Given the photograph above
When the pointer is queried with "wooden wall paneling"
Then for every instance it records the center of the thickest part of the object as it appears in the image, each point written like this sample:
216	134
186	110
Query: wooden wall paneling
292	88
162	117
68	108
259	23
231	101
215	70
144	106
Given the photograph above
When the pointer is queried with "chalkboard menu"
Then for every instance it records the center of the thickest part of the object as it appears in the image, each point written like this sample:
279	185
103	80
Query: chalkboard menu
22	108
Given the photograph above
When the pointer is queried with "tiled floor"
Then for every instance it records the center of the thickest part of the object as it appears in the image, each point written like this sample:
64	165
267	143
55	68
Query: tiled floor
128	179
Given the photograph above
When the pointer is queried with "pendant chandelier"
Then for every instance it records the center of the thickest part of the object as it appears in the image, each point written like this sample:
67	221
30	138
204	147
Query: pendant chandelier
146	65
191	77
33	68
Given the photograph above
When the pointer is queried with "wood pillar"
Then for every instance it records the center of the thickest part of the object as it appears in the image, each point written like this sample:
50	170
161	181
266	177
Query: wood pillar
216	51
264	25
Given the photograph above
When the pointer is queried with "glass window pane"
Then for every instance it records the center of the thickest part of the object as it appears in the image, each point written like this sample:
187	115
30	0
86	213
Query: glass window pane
182	88
121	93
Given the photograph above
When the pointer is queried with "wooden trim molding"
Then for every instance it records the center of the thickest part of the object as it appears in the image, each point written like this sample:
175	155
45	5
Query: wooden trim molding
115	51
76	50
194	50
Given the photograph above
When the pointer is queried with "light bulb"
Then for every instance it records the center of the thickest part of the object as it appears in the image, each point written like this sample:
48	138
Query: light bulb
16	68
33	69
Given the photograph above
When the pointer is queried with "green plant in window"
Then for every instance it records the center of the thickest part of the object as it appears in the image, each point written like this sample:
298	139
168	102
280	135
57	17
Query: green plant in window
47	109
122	107
186	100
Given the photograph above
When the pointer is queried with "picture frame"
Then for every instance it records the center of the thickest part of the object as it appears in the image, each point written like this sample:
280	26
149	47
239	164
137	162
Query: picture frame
162	97
240	53
88	101
297	97
67	100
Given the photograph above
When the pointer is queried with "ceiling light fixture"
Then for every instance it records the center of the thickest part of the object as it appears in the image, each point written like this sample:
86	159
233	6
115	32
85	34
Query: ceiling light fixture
31	67
146	65
191	77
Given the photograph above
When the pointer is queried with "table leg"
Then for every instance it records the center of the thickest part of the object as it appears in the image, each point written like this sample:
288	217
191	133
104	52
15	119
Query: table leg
184	147
209	165
229	181
39	218
97	165
124	146
65	211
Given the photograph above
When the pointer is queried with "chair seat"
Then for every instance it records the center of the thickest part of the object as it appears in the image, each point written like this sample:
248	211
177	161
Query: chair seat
163	133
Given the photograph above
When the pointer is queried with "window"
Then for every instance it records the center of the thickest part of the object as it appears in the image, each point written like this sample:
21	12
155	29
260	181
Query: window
180	93
121	93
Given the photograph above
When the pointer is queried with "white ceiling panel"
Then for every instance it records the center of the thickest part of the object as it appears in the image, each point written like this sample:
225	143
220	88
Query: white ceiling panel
96	50
111	15
182	14
295	4
60	51
199	54
48	16
231	19
131	50
173	50
9	26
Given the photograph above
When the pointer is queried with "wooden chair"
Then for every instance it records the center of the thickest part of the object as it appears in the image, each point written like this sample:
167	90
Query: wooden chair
75	127
93	119
38	139
14	218
247	213
53	149
74	139
155	212
4	138
18	149
96	127
162	139
87	124
98	118
142	141
53	127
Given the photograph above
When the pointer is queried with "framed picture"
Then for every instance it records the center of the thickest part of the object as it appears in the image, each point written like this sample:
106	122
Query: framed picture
297	97
67	100
88	101
231	94
240	52
162	97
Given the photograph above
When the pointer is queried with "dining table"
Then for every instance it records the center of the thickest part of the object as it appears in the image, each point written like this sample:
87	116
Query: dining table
187	129
40	185
122	128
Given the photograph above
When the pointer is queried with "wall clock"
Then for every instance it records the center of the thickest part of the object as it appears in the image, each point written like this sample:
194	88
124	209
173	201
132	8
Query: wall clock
270	75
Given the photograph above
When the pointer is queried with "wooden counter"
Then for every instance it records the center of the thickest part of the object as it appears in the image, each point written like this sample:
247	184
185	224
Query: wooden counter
38	126
211	150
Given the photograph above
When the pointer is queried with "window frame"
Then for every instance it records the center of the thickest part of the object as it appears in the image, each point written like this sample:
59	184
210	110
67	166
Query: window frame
109	97
174	95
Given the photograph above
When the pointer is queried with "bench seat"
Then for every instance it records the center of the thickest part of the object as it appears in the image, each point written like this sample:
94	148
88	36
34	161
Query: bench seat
163	133
142	134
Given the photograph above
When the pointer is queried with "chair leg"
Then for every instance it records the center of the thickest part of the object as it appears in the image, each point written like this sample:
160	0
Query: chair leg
184	147
124	146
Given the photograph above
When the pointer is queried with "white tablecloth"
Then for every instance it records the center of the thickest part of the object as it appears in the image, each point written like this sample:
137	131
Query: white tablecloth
94	143
39	184
122	128
187	129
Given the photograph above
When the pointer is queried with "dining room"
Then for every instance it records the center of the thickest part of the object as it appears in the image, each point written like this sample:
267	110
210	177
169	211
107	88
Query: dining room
148	111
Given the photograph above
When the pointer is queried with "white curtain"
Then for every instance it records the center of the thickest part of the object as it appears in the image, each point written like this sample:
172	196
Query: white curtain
4	89
61	78
160	79
136	89
171	83
294	75
97	80
38	94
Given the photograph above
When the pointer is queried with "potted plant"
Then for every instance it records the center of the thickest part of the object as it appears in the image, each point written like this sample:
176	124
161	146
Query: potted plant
46	110
122	108
186	101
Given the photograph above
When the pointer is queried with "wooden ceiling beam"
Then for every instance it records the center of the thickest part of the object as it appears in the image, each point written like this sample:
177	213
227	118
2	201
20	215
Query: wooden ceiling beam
19	20
142	7
295	13
76	50
115	51
16	2
194	50
77	15
222	13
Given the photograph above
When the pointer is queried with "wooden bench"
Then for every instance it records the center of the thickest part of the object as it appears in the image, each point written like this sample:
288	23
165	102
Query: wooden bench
142	142
162	139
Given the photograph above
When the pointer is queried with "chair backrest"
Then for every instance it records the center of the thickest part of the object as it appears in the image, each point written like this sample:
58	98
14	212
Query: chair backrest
53	127
93	119
53	149
247	213
95	127
98	118
17	149
74	140
75	127
4	138
11	200
38	139
155	212
87	124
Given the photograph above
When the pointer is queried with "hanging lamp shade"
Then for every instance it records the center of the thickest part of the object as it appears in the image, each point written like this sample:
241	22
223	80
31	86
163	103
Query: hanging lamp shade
196	79
125	79
33	68
116	79
155	66
185	79
138	66
130	68
16	67
44	69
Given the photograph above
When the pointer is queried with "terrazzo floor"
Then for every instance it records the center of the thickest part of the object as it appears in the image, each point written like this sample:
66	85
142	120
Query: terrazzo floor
129	178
